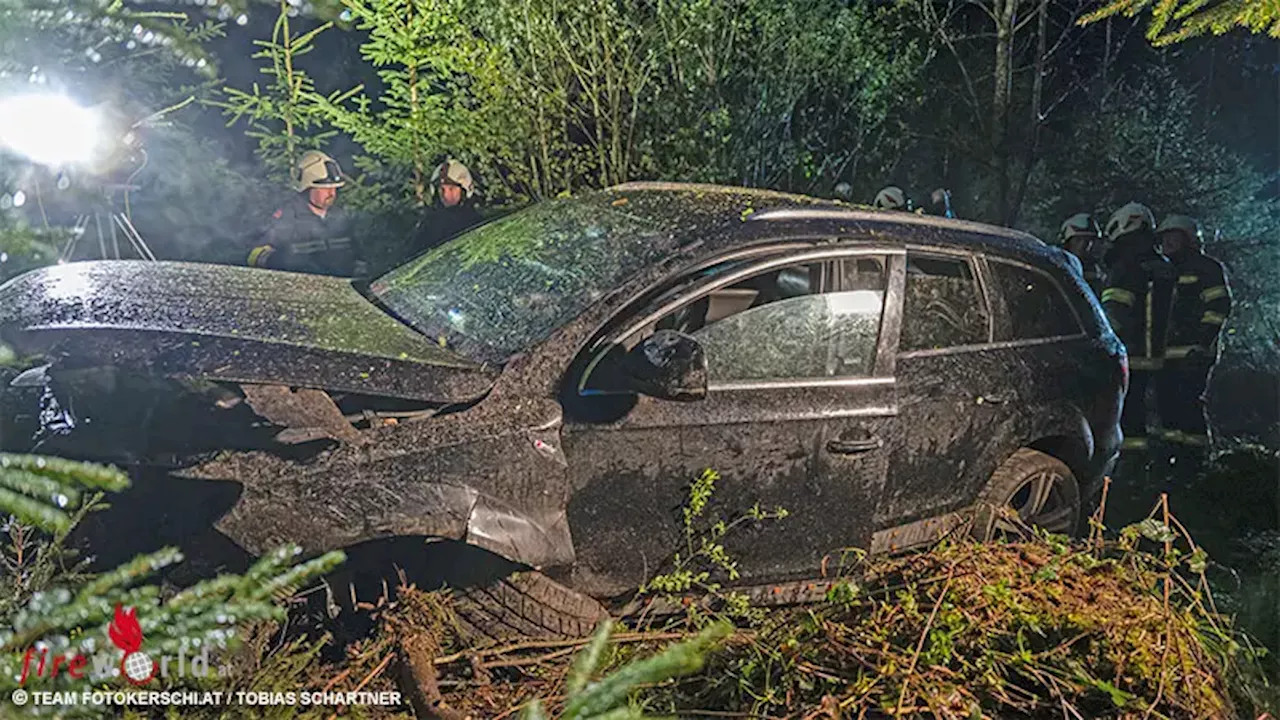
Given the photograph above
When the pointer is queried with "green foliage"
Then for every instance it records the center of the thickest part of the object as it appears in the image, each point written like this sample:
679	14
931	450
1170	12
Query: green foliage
546	98
787	95
283	116
704	556
606	698
45	605
1173	21
423	57
39	490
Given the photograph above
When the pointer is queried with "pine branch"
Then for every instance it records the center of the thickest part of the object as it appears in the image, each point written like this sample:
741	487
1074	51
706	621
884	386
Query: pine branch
1173	21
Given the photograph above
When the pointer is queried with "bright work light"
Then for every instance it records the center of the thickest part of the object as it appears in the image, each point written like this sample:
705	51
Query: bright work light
49	129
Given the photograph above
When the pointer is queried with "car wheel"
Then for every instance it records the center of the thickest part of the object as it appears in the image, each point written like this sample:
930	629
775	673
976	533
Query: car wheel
1039	488
525	604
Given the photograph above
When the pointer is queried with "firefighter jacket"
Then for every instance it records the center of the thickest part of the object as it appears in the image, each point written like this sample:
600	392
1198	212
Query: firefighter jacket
1094	275
440	224
1201	304
1138	298
298	240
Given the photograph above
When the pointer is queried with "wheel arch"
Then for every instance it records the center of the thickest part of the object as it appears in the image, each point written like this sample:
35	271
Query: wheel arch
1063	433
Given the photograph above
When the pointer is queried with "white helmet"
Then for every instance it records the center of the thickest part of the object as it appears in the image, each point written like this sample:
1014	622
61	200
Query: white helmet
455	173
316	170
891	198
1188	226
1078	225
1131	218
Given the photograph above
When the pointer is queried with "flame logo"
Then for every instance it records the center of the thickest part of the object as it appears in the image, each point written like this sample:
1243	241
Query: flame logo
124	630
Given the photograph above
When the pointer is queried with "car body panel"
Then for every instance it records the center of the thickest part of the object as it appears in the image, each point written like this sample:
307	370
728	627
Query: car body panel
494	476
631	476
227	323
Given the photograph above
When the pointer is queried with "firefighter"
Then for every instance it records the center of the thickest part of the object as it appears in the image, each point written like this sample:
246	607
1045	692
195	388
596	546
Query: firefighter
1137	299
891	198
453	206
1081	236
941	203
307	234
1201	304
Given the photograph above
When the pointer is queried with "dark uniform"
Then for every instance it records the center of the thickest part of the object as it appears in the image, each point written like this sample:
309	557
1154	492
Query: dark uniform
1094	274
298	240
1201	305
1138	298
440	224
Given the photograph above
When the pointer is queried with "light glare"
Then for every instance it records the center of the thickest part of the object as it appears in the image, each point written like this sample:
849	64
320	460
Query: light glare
48	129
855	302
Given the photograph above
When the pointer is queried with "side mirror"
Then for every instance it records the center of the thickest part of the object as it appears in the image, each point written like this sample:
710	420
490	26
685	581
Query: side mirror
668	365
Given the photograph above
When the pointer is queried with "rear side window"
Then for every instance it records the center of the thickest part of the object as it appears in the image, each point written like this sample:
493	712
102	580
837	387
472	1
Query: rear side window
942	305
1037	308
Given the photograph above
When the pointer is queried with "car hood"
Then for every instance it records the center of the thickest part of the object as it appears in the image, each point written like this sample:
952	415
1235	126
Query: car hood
229	323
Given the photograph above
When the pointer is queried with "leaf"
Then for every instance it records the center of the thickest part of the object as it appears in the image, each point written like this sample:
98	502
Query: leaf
676	661
1048	572
1198	561
584	666
1156	531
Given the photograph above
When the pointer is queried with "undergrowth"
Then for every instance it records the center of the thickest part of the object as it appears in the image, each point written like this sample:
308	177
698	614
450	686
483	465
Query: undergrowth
1038	627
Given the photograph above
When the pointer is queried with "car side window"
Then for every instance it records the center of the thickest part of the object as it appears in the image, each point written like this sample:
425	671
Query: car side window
793	331
943	305
783	323
1036	306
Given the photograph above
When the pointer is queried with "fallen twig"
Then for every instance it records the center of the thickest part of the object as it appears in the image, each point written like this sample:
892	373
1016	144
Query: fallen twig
924	635
548	644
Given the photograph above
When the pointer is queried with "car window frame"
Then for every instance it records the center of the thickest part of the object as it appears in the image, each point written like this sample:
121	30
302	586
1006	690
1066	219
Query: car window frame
988	261
886	344
985	295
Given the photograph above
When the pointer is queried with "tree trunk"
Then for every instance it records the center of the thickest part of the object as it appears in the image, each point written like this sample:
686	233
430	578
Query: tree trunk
1002	75
1106	69
1037	111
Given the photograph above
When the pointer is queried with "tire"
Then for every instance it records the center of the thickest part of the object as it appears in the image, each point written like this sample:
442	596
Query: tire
525	604
1042	489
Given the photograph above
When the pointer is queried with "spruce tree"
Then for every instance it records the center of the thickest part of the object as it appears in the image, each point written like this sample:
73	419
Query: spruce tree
49	607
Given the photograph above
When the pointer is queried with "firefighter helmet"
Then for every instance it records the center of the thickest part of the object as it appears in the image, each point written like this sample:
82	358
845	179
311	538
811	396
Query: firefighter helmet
1078	225
456	173
1188	226
316	170
891	198
1134	217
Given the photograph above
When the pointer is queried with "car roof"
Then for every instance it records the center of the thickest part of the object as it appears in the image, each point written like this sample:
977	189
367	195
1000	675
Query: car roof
705	207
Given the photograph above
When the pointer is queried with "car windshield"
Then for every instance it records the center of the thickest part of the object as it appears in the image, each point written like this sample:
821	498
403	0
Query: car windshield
501	288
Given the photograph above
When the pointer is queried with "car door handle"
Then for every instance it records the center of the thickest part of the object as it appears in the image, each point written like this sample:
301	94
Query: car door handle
992	399
853	447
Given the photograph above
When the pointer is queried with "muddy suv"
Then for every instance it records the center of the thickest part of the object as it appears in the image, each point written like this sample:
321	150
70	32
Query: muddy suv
545	386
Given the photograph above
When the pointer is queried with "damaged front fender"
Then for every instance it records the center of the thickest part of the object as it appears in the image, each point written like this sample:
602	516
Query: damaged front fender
493	476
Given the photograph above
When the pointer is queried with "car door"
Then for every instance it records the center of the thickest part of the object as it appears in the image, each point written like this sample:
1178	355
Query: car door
951	395
795	416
